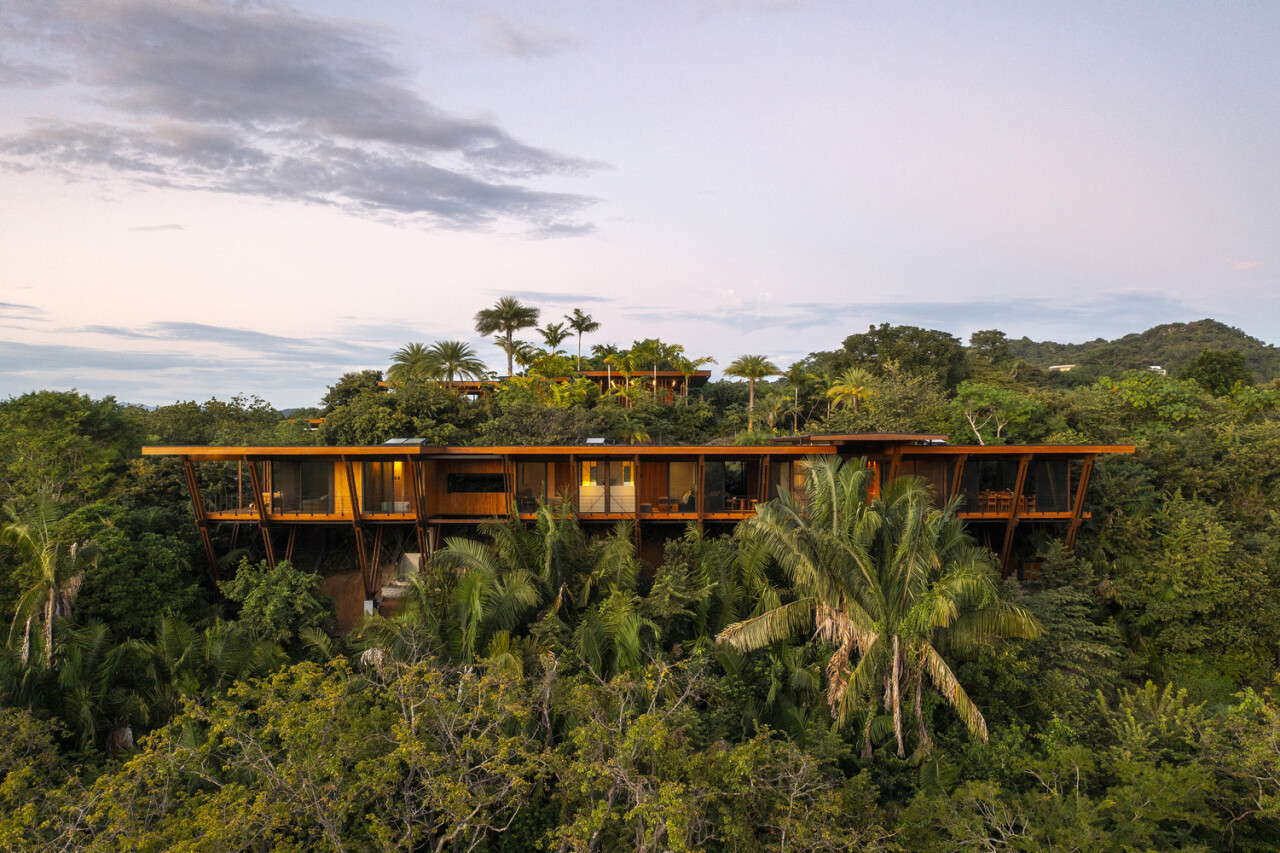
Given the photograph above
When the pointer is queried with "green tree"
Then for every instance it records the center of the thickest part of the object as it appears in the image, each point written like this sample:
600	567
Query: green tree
54	572
507	317
277	604
889	582
554	334
454	360
849	387
582	324
412	364
1217	372
751	368
915	350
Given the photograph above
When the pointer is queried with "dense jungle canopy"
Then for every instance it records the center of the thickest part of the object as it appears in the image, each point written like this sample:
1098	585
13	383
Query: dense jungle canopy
836	674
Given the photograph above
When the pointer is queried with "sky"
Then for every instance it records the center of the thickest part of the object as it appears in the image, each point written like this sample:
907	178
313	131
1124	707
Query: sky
202	198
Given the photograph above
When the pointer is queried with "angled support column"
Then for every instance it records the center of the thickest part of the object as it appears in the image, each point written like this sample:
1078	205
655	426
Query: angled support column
357	522
1011	524
202	520
259	500
419	508
1077	511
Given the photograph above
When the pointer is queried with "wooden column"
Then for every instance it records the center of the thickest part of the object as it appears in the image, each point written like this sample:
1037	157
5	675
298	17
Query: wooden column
1011	523
956	479
895	459
202	519
357	524
414	469
260	500
701	491
765	479
1077	511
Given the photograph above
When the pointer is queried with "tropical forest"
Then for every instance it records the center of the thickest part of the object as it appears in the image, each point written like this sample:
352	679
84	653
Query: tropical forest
848	668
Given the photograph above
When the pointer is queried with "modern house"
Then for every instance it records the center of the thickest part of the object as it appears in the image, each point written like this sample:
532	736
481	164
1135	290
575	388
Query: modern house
412	494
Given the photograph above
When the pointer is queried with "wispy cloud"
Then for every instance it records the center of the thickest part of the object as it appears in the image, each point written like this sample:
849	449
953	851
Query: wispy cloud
258	99
15	311
525	41
554	297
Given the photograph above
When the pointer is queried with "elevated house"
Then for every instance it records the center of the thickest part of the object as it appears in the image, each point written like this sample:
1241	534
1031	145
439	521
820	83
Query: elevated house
409	495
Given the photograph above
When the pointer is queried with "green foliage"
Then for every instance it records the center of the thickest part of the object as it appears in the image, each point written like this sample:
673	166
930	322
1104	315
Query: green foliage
925	352
277	604
1217	372
1171	345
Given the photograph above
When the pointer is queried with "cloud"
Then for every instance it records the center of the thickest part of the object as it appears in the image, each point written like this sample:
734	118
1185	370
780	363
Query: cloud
330	351
554	297
258	99
524	41
15	311
172	226
1243	266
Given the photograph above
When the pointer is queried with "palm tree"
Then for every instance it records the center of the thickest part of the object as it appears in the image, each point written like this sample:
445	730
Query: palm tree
455	358
689	366
507	316
554	334
581	323
411	365
58	570
751	368
849	386
890	582
799	378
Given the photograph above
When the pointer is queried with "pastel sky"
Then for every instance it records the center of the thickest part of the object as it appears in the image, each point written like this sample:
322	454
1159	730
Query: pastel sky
204	198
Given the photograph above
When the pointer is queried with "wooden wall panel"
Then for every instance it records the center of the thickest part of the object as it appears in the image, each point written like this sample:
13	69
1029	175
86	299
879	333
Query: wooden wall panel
653	482
469	504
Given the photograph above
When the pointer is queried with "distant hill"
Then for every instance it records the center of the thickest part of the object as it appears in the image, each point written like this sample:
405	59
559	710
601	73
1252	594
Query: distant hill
1171	346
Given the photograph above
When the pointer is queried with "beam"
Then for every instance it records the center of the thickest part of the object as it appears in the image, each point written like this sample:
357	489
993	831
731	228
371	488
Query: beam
260	500
1077	511
202	520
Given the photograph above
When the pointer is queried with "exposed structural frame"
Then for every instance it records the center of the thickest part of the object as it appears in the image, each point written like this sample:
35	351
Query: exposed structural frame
425	490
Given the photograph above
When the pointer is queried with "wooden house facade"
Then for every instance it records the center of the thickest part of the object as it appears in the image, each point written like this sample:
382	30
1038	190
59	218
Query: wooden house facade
421	493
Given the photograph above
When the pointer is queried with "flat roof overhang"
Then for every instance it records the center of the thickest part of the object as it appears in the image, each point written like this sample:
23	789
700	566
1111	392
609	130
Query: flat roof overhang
232	454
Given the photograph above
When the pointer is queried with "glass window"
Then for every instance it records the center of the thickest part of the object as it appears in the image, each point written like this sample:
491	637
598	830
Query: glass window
531	485
471	483
682	487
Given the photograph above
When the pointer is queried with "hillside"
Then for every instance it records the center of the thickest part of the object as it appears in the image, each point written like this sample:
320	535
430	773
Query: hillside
1170	345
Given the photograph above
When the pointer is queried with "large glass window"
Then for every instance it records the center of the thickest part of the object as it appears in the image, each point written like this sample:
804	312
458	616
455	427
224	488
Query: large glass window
987	484
682	487
591	486
301	487
531	485
384	487
622	486
726	486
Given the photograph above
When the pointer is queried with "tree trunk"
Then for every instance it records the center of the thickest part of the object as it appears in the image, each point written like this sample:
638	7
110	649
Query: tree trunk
897	696
751	404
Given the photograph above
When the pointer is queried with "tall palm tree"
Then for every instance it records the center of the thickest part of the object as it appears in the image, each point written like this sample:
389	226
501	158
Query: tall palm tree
890	582
411	365
850	386
507	317
451	359
799	379
751	368
554	334
581	323
58	571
